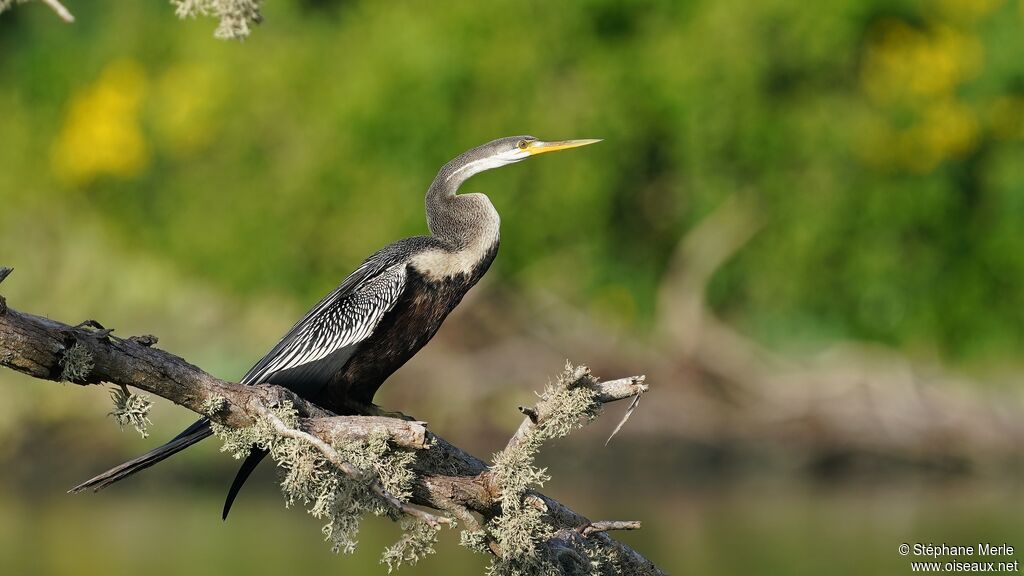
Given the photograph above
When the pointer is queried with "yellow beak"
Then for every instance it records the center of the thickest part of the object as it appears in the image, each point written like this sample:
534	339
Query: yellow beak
541	147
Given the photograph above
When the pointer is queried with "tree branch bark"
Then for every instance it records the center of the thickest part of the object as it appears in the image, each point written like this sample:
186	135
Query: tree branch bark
449	479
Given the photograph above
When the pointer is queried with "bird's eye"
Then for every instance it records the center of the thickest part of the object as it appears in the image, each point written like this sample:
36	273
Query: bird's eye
523	145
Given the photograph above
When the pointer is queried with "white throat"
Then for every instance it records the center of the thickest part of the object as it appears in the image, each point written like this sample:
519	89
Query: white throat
483	164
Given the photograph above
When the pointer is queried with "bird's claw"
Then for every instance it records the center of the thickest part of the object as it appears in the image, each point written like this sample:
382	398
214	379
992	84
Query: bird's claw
95	329
374	410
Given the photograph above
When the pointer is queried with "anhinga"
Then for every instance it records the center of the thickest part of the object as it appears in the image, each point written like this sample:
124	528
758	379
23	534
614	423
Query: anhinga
342	350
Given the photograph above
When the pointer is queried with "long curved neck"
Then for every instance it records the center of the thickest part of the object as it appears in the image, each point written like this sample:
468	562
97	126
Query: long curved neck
462	221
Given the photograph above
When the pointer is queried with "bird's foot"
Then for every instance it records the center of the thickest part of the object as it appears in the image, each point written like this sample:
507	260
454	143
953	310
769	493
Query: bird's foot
371	409
374	410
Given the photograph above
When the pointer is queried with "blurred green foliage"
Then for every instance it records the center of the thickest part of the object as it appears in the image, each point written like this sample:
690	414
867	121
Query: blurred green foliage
881	142
164	181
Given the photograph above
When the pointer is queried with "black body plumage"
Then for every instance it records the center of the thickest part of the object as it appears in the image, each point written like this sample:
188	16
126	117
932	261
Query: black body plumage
406	309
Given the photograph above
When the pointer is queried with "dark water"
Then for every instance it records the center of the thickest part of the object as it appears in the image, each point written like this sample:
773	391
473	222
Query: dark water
736	528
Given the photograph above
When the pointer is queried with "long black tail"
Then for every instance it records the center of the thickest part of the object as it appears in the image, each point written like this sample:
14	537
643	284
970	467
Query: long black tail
251	462
194	433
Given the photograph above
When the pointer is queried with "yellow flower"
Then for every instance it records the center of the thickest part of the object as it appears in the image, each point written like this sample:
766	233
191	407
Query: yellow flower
944	130
905	63
948	129
184	103
101	135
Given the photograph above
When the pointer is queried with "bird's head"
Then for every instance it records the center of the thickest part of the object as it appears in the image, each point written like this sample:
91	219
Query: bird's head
502	152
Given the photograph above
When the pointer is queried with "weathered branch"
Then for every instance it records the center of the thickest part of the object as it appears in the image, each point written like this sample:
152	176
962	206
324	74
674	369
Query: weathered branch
448	479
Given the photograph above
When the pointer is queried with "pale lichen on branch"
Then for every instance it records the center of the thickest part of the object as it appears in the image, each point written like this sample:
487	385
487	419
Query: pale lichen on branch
76	364
236	16
214	404
131	409
340	482
521	529
416	543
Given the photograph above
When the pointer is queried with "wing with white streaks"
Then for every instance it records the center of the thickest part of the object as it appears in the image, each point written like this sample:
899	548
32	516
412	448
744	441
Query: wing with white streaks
343	318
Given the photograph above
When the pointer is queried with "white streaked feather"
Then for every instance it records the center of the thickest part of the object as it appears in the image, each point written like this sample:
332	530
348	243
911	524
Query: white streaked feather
337	322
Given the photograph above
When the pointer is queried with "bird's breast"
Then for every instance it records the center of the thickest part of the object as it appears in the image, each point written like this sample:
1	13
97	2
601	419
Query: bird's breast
440	264
422	308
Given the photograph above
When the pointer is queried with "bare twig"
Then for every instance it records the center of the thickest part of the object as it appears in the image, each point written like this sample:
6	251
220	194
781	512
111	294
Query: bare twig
61	11
606	525
529	413
605	392
625	417
614	390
